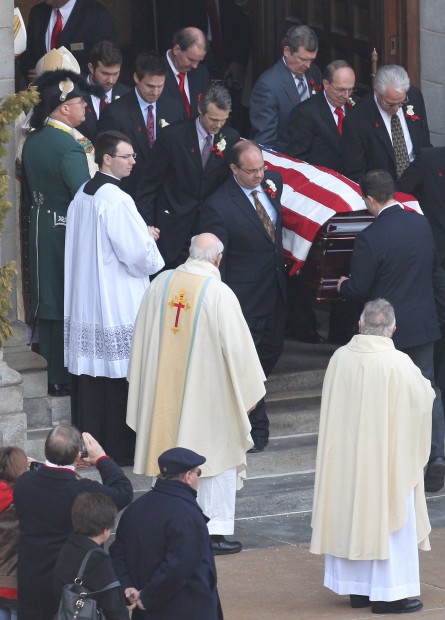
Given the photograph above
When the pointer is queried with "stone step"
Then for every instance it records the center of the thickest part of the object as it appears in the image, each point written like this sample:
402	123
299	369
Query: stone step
46	411
31	366
284	455
35	443
294	414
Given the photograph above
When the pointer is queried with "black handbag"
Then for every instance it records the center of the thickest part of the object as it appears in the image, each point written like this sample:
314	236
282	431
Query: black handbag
77	602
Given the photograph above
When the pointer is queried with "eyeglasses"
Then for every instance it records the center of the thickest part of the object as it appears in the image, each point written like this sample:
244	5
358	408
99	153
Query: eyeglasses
133	155
395	105
196	471
343	91
253	171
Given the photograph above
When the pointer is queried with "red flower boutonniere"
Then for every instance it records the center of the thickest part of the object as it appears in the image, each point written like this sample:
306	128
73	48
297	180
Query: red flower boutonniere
440	173
314	87
350	102
271	188
410	113
220	146
89	110
376	125
199	97
139	128
192	150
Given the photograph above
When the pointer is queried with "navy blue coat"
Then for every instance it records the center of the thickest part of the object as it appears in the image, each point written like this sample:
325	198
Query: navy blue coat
394	258
163	549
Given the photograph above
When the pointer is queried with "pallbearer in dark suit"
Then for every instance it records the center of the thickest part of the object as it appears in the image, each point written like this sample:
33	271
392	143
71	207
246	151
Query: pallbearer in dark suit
245	213
104	67
387	129
189	163
142	113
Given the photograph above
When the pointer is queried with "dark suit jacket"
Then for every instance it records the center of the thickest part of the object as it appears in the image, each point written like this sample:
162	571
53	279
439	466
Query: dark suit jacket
252	265
272	100
88	24
314	135
89	126
125	115
198	80
43	500
394	258
366	142
174	186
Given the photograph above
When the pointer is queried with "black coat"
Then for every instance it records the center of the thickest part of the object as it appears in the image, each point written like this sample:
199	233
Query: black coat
163	549
198	80
366	142
98	574
125	115
88	24
89	126
174	186
252	265
43	500
394	258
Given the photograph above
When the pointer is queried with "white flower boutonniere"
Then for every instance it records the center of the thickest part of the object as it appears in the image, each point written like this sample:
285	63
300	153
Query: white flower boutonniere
220	146
350	102
163	123
271	188
117	97
409	113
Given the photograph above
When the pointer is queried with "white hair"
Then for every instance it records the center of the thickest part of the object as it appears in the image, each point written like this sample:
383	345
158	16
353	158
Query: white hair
206	247
377	319
391	75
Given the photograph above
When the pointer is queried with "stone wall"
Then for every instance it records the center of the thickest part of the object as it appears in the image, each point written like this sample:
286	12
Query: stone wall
432	65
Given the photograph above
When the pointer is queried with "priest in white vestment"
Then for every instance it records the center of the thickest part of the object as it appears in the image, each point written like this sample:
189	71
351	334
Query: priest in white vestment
109	256
369	514
194	374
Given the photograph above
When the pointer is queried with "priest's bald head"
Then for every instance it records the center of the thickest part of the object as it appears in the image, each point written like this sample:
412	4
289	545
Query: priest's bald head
206	247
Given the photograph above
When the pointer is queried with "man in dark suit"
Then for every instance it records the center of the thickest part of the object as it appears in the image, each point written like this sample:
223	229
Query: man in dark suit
387	129
316	125
394	258
252	264
104	67
187	77
189	163
53	23
142	114
292	80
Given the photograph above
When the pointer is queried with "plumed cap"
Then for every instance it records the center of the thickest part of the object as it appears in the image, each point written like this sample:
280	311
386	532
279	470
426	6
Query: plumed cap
179	460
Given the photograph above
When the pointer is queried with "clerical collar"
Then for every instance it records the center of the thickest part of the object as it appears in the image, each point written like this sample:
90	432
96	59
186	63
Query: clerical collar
99	179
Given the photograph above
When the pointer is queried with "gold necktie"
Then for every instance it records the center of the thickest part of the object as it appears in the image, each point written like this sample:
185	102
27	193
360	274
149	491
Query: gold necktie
264	217
399	145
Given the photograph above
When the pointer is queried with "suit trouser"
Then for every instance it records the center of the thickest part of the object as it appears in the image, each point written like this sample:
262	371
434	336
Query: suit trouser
268	336
422	356
51	348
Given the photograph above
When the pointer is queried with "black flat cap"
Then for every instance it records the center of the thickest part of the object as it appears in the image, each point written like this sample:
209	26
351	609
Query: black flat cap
179	460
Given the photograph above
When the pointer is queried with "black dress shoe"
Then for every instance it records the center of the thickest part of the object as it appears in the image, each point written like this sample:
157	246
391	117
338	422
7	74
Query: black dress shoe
434	477
221	546
403	606
358	601
259	444
59	389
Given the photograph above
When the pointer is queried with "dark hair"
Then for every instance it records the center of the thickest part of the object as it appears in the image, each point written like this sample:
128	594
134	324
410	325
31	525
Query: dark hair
106	144
107	53
150	64
63	444
216	94
300	36
378	184
187	37
239	148
332	67
13	463
92	513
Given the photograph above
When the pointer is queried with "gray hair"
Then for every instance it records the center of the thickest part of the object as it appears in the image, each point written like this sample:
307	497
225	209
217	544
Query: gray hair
377	319
300	36
218	95
332	67
391	75
206	247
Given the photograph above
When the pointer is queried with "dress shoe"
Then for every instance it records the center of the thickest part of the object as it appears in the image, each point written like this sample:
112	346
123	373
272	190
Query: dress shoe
358	601
221	546
259	444
59	389
434	477
404	606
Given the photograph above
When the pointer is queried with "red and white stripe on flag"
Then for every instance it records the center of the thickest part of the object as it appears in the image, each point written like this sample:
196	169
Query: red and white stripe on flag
311	196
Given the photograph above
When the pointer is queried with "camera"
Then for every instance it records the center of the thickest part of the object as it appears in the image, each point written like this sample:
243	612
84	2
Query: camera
35	465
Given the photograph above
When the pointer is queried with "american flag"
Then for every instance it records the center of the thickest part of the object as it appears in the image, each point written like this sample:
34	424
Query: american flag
311	196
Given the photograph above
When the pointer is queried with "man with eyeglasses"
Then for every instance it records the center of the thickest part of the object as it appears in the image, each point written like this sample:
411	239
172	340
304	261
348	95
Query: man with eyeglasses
245	213
162	553
387	129
109	256
55	166
292	80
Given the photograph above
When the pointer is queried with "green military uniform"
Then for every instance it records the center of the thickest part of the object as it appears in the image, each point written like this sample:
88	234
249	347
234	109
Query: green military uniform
55	166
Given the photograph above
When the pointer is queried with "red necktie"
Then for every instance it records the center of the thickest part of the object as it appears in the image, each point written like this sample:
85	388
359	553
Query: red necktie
102	105
339	112
215	28
56	30
151	126
183	93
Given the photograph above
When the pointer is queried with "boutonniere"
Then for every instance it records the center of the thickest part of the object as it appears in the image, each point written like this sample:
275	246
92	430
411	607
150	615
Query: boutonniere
376	125
440	173
116	97
271	188
163	123
220	146
315	88
410	113
350	102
